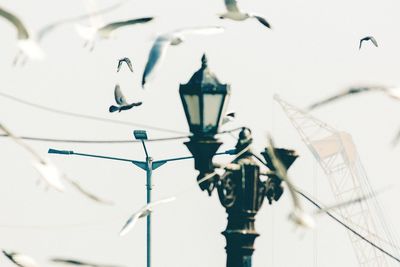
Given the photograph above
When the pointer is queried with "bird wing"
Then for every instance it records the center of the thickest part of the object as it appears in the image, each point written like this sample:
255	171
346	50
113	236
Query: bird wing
21	29
106	30
119	97
119	64
262	21
20	259
281	172
129	63
50	174
350	91
130	223
86	193
373	40
156	55
207	30
231	5
80	263
162	201
361	41
135	104
52	26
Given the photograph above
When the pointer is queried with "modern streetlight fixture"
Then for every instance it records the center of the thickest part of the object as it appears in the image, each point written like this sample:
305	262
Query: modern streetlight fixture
149	165
240	189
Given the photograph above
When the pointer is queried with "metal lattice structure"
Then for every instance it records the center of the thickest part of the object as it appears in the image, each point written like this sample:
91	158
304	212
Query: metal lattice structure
337	155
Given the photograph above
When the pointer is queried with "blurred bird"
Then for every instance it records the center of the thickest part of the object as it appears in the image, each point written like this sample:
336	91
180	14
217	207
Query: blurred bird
91	33
127	61
20	259
26	43
79	263
298	215
49	173
230	116
163	41
143	212
234	13
121	101
393	92
368	38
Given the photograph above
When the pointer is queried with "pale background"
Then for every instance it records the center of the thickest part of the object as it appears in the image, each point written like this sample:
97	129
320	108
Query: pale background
311	52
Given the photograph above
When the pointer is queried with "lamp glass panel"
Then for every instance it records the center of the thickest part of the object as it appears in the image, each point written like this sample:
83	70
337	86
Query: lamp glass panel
212	108
193	108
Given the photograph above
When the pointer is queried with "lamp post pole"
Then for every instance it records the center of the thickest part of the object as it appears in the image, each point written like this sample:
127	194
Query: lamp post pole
240	189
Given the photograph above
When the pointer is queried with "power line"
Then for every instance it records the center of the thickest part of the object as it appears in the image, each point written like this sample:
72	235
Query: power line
84	116
348	227
55	140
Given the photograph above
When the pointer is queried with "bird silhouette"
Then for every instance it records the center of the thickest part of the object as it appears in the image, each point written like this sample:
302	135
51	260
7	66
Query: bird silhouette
79	263
49	173
161	44
20	260
234	13
298	215
127	61
393	92
93	32
143	212
368	38
26	43
121	101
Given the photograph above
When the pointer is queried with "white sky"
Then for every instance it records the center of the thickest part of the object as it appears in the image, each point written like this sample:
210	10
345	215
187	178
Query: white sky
311	53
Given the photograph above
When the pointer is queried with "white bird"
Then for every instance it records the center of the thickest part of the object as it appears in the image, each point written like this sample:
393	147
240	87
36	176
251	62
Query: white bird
298	215
25	41
49	173
162	42
143	212
93	32
234	13
121	101
20	260
393	92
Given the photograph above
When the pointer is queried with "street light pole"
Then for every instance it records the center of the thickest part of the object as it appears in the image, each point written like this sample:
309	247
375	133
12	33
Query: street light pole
149	165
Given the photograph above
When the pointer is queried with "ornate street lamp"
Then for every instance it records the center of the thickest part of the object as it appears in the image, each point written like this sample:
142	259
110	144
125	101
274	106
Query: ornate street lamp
240	189
204	100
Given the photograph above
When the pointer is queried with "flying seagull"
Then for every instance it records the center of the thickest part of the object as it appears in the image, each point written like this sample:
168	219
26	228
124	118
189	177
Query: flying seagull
79	263
143	212
121	101
20	259
230	116
91	33
127	61
162	42
368	38
298	215
49	173
26	43
393	92
234	13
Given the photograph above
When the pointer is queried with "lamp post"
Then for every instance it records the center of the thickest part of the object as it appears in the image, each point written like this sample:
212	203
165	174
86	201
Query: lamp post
240	189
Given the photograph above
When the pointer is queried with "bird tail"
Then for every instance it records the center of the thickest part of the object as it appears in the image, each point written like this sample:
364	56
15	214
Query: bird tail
113	108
